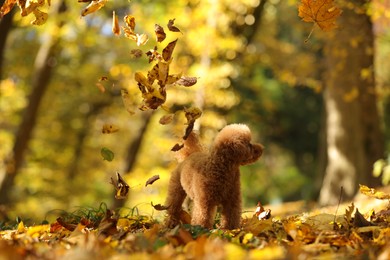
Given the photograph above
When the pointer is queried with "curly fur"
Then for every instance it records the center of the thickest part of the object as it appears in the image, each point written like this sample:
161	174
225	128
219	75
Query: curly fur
212	178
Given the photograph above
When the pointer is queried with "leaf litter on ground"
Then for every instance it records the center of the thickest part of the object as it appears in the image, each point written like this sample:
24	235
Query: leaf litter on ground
104	233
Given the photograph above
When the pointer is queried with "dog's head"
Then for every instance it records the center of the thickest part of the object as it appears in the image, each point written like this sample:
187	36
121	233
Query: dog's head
233	142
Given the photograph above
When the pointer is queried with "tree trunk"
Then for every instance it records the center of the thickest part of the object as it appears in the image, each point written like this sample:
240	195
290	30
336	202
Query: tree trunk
354	137
44	63
5	28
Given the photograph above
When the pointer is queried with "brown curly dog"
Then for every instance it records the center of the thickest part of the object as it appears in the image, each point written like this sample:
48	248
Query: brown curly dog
212	178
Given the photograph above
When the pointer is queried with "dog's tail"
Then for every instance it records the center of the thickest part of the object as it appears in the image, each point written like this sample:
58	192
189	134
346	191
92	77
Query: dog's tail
191	145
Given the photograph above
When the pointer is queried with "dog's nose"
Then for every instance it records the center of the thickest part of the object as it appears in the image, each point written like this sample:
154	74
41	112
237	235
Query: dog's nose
258	149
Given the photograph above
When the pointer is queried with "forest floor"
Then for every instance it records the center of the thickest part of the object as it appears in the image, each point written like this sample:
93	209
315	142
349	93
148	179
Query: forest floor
295	230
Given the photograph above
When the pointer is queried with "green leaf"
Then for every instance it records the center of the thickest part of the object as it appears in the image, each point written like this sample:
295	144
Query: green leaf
107	154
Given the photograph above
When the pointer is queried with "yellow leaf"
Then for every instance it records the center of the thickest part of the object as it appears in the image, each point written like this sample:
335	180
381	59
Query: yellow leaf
142	39
130	21
322	12
93	7
374	193
109	129
123	224
21	227
115	24
40	17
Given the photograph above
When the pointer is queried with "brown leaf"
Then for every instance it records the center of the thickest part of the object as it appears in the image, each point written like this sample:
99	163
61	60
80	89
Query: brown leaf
109	129
115	24
160	34
360	221
168	50
40	17
159	207
130	22
187	81
68	226
121	187
322	12
177	147
261	213
171	27
166	119
136	53
7	7
152	179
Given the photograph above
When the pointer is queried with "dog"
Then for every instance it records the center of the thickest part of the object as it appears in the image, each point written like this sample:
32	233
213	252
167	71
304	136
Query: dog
212	178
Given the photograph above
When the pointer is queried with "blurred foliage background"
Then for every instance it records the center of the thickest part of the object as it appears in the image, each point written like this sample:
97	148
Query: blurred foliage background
254	67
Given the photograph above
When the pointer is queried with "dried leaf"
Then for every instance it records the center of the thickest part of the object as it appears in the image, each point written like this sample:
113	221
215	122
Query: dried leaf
159	207
168	50
127	101
171	27
94	6
177	147
129	34
152	179
115	24
322	12
261	213
7	7
40	17
160	34
100	87
130	22
153	54
121	187
360	221
374	193
142	39
163	71
107	154
166	119
192	113
187	81
109	129
136	53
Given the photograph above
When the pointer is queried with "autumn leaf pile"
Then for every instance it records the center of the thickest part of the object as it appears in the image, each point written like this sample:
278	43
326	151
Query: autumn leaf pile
104	234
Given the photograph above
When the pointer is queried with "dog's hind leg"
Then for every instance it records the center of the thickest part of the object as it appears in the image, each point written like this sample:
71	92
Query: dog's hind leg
174	201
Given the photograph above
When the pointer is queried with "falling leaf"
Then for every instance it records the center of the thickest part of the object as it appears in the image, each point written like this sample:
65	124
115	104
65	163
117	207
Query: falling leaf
160	34
136	53
107	154
159	207
168	50
187	81
152	179
127	101
192	113
121	187
40	17
171	27
166	119
130	34
109	129
130	21
374	193
7	7
101	87
142	39
153	54
322	12
94	6
177	147
115	24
